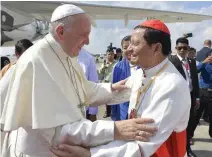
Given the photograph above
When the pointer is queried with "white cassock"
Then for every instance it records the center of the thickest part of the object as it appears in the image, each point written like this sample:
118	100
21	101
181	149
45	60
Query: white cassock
42	103
4	84
167	101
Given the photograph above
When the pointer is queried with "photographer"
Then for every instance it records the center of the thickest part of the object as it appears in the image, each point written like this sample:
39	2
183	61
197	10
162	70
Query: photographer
106	74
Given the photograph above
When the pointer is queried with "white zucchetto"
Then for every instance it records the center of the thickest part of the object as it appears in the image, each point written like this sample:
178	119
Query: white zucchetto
64	11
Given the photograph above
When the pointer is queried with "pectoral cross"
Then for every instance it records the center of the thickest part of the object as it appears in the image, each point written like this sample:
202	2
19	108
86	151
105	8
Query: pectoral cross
81	107
133	113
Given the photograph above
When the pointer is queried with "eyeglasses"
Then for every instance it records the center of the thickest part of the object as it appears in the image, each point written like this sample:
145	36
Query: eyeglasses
182	47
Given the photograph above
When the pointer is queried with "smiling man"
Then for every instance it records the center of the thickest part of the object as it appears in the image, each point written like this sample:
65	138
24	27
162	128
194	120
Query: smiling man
155	92
121	71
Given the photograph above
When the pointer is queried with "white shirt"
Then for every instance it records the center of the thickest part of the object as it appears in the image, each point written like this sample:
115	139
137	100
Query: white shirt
132	69
187	73
164	102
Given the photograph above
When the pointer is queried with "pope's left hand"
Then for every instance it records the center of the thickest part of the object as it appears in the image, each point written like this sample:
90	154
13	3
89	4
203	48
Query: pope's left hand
119	86
64	150
197	104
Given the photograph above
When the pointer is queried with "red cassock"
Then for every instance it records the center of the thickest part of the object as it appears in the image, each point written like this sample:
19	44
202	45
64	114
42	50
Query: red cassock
174	146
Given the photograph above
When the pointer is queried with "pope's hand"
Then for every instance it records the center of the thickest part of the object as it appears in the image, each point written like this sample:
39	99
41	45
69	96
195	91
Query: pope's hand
119	86
70	151
134	129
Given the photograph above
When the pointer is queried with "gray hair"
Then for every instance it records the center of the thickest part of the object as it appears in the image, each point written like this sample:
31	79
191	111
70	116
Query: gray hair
66	22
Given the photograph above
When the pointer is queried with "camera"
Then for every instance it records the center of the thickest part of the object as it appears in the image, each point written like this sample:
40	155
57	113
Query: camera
110	47
188	35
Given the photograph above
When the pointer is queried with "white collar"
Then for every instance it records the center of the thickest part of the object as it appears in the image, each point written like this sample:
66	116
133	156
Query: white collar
152	71
132	66
56	46
180	58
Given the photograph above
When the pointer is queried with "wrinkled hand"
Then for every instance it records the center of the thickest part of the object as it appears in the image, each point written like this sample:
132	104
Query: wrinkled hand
64	150
119	86
197	104
208	59
134	129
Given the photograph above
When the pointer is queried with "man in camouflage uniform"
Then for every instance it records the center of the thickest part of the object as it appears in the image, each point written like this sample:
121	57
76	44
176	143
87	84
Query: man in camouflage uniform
106	74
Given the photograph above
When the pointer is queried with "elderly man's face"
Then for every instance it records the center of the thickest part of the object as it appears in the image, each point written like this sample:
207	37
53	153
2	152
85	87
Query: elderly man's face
77	35
142	53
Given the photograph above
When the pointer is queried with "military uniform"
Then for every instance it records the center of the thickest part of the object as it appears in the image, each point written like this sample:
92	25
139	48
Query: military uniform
106	71
106	76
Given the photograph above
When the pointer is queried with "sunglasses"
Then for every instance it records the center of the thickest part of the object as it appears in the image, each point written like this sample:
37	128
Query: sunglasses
182	47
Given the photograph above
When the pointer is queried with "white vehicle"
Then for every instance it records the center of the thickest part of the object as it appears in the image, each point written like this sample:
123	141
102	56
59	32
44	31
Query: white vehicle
30	19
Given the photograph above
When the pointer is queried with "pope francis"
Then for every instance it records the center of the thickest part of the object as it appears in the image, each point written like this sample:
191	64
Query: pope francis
48	91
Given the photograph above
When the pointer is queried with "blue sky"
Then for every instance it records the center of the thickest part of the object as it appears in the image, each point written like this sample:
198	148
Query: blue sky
114	31
196	4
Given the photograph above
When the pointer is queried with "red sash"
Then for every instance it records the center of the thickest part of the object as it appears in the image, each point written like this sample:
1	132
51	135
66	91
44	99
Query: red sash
174	146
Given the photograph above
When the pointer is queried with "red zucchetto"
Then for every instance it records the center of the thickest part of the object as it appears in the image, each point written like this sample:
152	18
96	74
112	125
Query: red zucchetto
156	24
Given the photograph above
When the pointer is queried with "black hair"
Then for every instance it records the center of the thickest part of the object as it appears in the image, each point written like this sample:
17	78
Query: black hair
192	49
109	50
4	61
153	36
126	38
115	56
22	45
182	40
118	50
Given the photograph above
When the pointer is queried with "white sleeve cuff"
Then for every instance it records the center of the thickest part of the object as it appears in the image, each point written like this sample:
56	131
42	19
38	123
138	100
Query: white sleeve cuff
89	134
105	130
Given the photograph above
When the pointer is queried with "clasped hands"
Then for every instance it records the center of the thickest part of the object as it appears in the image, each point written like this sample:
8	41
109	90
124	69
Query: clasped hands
132	129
